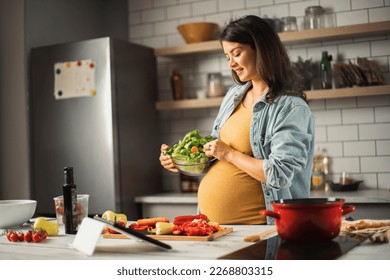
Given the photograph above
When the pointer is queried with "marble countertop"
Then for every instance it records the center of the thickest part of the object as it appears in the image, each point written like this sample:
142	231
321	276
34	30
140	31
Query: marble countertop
359	196
58	248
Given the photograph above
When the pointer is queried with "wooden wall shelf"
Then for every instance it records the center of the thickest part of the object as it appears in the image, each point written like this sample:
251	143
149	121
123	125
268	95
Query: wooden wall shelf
325	34
311	95
305	36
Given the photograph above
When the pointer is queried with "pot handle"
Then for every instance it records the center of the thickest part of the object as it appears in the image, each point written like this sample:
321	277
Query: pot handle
270	214
348	209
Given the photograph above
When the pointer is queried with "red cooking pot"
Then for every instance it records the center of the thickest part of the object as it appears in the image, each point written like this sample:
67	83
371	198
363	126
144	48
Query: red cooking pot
308	219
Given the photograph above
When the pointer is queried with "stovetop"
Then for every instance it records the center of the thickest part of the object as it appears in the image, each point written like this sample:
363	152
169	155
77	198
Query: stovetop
276	248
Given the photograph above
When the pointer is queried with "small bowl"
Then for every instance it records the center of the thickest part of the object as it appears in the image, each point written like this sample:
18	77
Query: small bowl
14	213
193	169
198	31
345	188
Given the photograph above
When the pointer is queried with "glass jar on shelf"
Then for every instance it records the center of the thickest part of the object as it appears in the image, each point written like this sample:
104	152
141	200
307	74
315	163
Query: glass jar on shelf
314	17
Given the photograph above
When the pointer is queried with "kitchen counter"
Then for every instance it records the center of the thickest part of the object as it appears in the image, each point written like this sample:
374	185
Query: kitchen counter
359	196
57	248
371	203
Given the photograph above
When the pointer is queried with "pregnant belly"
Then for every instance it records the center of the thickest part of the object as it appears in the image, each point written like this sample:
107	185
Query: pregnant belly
228	195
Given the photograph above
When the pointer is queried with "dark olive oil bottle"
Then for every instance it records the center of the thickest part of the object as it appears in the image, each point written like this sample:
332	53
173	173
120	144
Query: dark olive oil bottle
70	202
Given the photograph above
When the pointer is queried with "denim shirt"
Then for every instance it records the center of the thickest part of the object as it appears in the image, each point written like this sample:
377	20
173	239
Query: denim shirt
282	134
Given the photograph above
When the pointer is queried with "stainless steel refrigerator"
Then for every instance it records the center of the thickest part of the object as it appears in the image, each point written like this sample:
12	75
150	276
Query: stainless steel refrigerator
100	119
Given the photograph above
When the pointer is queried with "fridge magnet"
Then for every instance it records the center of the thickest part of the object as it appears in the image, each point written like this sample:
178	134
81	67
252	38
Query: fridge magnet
74	79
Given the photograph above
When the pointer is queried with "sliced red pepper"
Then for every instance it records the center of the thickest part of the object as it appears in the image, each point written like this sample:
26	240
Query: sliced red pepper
137	227
179	220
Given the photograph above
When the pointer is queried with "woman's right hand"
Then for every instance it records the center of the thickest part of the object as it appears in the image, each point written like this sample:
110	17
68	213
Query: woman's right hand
166	161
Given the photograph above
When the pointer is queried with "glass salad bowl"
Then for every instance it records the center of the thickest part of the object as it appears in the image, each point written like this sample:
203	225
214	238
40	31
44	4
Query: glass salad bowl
191	168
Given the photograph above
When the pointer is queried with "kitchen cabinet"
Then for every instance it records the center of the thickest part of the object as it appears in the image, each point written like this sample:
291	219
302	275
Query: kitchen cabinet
305	36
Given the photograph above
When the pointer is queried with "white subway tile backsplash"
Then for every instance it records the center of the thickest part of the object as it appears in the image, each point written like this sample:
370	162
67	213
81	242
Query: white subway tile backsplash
359	115
364	4
204	7
328	117
230	5
153	15
165	3
141	31
245	12
320	134
258	3
166	27
375	164
317	104
382	47
348	102
379	131
178	11
384	181
337	5
342	133
383	147
277	11
352	17
346	164
362	148
155	42
221	18
370	180
354	50
382	114
374	100
332	149
379	14
355	131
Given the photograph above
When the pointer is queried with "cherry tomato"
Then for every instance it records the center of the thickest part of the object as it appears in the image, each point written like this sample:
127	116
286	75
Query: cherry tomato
28	236
21	236
9	235
39	235
14	237
36	237
194	149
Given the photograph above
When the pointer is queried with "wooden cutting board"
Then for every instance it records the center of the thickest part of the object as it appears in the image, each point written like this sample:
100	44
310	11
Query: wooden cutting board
177	237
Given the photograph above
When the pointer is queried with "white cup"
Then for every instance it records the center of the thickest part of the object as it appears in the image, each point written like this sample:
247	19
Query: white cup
201	93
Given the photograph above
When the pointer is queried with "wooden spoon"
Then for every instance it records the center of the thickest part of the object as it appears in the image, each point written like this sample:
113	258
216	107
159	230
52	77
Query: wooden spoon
257	237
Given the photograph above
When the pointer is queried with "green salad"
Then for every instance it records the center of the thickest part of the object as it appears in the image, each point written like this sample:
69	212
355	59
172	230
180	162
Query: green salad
188	153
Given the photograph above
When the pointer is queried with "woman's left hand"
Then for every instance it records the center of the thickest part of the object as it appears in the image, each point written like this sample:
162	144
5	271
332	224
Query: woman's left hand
217	149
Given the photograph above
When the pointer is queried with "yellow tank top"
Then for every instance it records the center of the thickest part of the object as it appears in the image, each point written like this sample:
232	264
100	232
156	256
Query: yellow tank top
228	195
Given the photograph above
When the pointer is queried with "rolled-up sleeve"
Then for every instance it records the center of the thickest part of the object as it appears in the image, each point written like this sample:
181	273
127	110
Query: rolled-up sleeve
289	143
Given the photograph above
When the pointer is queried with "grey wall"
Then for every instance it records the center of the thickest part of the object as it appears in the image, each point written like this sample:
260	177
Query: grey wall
13	116
31	23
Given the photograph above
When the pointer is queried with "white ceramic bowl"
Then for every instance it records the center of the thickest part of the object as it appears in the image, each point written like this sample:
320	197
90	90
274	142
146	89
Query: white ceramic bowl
15	213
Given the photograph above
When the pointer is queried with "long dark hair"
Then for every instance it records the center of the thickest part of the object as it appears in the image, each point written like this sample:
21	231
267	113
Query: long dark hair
272	61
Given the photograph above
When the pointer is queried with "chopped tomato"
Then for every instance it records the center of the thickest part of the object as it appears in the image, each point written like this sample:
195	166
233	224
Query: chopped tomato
194	150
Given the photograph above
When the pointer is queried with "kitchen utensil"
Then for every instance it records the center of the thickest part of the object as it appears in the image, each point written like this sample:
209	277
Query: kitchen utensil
194	32
16	212
210	237
257	237
309	219
353	186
